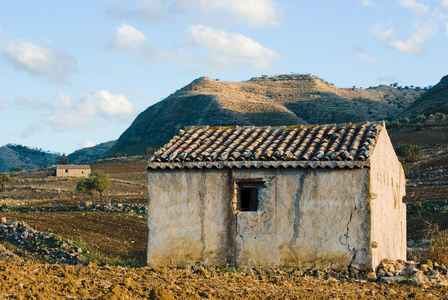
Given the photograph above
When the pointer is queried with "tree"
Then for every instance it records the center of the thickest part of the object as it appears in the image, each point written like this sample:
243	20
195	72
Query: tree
4	178
97	181
63	160
439	117
405	121
421	118
116	155
408	151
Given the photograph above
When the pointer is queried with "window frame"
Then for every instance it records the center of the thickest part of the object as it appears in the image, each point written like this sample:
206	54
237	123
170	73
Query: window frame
251	188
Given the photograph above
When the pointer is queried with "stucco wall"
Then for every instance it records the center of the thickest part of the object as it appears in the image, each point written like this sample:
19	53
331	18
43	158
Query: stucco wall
189	218
306	218
69	172
387	185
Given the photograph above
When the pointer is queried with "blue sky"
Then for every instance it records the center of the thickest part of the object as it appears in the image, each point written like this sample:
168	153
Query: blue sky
76	73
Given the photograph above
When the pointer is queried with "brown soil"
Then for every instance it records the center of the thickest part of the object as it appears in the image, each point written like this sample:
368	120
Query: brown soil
426	193
427	137
124	235
29	280
112	234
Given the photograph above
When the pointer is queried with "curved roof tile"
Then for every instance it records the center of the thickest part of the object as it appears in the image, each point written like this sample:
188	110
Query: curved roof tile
348	145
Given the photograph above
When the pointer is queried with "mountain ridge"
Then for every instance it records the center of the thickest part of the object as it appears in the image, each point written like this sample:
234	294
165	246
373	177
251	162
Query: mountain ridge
279	100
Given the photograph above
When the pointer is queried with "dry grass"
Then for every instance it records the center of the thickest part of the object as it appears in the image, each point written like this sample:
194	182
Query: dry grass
438	243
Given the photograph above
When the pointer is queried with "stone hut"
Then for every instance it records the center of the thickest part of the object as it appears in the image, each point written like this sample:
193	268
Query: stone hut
72	171
314	197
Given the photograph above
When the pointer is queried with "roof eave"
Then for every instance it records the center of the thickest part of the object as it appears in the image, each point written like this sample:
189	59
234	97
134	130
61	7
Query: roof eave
258	164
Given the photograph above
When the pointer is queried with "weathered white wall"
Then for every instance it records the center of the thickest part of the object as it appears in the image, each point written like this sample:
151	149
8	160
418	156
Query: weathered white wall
69	172
306	218
189	217
320	220
387	185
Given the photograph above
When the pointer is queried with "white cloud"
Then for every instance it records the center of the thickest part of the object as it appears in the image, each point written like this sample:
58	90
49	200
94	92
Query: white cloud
126	38
1	31
98	106
414	5
65	100
60	121
231	45
30	103
412	45
372	4
444	3
104	103
146	11
87	144
361	54
48	62
253	13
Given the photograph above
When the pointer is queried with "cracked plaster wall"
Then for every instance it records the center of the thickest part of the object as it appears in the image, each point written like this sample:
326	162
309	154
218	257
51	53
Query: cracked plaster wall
321	221
310	218
387	186
189	219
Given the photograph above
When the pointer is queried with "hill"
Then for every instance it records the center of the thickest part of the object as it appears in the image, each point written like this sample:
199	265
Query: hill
90	153
20	156
279	100
110	240
435	100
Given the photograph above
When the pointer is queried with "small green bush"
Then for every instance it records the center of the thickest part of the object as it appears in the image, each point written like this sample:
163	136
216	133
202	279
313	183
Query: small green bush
409	151
418	126
97	181
4	178
421	118
439	117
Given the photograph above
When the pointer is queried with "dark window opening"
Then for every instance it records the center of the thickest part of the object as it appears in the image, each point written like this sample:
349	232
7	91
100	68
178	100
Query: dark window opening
248	195
248	199
66	171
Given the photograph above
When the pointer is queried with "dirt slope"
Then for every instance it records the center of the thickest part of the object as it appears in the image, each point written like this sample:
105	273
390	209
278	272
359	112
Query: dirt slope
279	100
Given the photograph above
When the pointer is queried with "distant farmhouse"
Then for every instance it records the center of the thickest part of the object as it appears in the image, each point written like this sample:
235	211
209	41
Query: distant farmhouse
313	197
72	171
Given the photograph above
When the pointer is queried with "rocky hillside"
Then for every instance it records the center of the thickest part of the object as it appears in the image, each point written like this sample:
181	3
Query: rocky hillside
280	100
90	153
19	156
435	100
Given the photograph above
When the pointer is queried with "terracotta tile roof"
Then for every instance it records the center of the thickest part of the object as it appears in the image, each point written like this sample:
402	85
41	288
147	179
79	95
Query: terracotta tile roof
73	166
286	146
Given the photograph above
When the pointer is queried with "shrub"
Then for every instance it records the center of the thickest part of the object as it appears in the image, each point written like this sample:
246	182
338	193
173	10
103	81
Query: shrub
439	117
97	181
438	243
405	120
63	160
421	118
409	151
4	178
116	155
418	126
